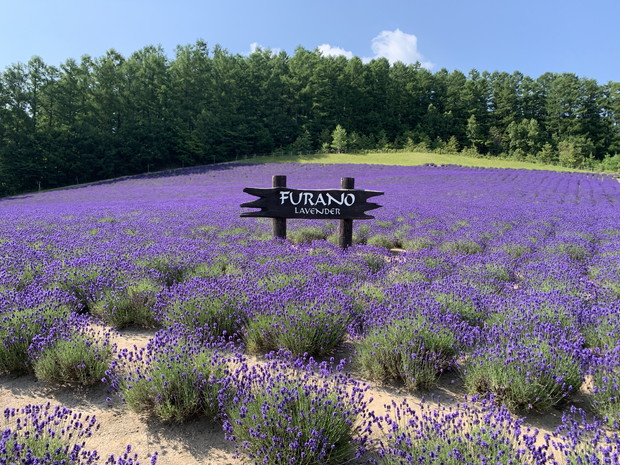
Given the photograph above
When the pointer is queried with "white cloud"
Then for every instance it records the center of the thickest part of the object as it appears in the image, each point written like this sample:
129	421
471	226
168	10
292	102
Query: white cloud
255	46
398	46
330	51
392	45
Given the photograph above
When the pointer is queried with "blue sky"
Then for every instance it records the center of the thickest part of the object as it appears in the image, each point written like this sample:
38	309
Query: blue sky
530	36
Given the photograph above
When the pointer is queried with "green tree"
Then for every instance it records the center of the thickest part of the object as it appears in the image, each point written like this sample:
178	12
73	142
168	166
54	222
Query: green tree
191	100
110	116
505	90
476	97
339	139
474	133
147	129
548	154
302	144
452	146
575	151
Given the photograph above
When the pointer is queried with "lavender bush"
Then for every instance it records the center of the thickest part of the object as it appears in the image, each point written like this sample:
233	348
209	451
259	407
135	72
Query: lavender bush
579	441
298	412
467	433
303	322
20	327
412	350
46	435
75	353
176	378
526	362
605	371
216	306
129	305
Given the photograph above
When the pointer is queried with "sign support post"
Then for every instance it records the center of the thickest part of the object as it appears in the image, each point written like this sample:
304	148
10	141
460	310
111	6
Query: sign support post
279	224
345	229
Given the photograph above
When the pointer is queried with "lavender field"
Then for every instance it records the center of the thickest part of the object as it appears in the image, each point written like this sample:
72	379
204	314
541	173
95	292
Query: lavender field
506	289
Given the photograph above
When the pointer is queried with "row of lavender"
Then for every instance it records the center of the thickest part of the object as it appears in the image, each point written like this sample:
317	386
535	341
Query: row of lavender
511	282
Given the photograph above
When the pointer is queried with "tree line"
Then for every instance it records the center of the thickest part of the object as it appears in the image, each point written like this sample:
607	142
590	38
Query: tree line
104	117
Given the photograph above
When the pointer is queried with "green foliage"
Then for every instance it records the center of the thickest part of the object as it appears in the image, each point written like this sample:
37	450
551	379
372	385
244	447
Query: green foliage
452	447
539	381
603	333
80	360
275	281
463	306
166	270
464	246
219	266
236	231
516	250
48	448
524	138
178	385
452	146
574	251
316	332
606	392
548	154
611	163
17	330
574	151
410	350
132	305
221	314
298	423
81	284
418	243
375	262
307	234
383	240
339	139
360	234
406	276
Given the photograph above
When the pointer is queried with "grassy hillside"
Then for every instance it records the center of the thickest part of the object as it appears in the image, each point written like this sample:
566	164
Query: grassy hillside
408	159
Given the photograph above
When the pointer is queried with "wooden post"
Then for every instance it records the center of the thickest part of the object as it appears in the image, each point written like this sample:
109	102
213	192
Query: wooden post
345	229
279	224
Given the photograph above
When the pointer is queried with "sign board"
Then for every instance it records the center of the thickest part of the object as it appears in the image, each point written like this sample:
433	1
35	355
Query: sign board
280	202
331	204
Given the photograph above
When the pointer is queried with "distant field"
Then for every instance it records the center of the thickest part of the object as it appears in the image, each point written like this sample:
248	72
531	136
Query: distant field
408	159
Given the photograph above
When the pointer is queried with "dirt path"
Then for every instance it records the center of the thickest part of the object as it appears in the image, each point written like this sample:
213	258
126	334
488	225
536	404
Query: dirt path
196	442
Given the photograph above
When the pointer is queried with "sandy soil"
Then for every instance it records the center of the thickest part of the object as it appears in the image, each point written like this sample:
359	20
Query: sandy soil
198	441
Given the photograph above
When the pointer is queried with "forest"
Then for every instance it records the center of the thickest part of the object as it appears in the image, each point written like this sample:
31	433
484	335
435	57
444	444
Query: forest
110	116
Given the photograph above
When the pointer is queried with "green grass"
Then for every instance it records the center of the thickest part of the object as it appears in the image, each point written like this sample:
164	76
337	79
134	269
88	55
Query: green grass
406	159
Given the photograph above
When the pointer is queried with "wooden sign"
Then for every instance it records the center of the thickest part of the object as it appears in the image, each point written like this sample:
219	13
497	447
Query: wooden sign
280	203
